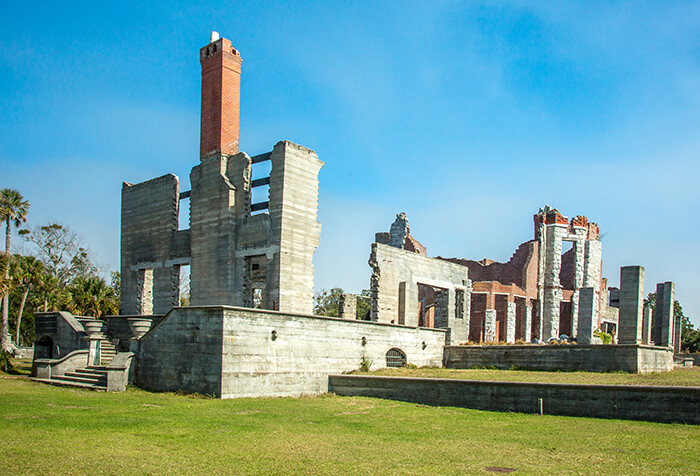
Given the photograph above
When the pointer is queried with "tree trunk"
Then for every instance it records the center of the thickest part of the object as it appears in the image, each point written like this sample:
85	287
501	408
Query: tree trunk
4	331
19	315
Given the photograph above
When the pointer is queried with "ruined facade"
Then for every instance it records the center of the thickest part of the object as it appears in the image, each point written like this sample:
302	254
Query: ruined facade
411	289
240	253
535	295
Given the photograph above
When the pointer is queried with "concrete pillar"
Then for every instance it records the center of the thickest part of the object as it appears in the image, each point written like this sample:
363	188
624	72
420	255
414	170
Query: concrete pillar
677	335
348	306
631	302
587	301
647	325
510	323
94	351
528	321
663	315
489	325
551	268
402	303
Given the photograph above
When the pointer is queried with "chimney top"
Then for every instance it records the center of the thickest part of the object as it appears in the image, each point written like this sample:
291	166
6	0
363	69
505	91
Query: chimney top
214	36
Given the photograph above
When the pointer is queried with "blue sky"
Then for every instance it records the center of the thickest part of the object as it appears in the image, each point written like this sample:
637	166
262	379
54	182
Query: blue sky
467	116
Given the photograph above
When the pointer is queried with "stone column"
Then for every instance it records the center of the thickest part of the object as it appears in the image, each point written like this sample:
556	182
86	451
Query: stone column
631	302
552	285
489	325
646	325
586	315
528	321
677	335
348	306
510	322
663	315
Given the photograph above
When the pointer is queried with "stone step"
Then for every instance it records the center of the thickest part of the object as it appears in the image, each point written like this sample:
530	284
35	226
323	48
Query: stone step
63	382
91	372
82	378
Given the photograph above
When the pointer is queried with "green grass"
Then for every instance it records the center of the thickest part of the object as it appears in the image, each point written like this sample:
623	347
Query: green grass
51	430
680	377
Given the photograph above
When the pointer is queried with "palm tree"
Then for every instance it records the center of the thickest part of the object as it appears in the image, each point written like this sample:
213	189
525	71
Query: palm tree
91	296
13	210
28	273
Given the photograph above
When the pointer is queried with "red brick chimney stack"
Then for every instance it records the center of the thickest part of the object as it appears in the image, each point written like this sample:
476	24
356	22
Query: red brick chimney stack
221	89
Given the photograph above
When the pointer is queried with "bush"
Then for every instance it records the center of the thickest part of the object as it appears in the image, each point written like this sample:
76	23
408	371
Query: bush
5	361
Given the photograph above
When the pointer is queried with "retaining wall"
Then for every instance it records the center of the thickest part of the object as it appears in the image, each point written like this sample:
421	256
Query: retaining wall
240	352
590	358
650	403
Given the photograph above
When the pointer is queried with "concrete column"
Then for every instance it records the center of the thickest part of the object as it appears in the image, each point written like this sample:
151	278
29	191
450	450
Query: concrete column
348	306
528	321
510	323
663	315
586	315
677	335
490	325
552	286
631	302
647	325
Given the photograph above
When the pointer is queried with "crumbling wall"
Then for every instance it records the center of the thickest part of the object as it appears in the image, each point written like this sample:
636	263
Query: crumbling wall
293	212
396	275
149	227
520	269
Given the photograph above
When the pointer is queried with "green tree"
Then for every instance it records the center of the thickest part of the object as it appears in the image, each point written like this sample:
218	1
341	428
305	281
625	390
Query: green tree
27	273
13	211
92	296
327	303
363	305
62	252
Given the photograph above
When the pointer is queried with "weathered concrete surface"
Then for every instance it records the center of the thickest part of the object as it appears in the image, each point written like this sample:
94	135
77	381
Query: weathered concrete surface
631	303
591	358
650	403
393	266
588	299
57	334
663	314
149	222
238	352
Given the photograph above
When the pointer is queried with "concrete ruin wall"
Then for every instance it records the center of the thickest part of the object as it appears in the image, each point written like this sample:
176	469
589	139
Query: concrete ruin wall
240	253
237	352
150	245
396	275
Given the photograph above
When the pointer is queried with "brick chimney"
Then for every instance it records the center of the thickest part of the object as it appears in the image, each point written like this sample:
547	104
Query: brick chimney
221	89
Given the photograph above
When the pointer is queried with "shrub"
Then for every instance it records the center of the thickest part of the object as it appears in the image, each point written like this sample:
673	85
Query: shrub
5	361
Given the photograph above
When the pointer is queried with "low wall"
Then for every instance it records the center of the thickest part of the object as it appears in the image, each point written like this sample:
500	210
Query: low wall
591	358
650	403
239	352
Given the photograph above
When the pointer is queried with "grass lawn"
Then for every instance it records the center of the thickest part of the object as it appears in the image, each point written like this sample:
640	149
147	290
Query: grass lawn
52	430
680	377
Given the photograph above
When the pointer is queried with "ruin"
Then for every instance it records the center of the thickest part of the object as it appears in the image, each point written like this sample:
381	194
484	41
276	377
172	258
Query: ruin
240	253
248	329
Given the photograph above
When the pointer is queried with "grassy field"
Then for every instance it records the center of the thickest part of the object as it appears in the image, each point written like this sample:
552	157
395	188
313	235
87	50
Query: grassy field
65	431
679	377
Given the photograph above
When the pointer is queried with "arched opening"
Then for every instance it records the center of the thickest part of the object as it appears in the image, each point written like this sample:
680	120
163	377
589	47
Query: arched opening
43	349
395	358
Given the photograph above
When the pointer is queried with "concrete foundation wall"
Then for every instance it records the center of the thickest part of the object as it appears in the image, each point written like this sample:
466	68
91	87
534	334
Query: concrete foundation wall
233	352
651	403
591	358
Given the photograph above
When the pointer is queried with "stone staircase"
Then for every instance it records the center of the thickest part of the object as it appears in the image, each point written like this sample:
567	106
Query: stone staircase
107	351
91	377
